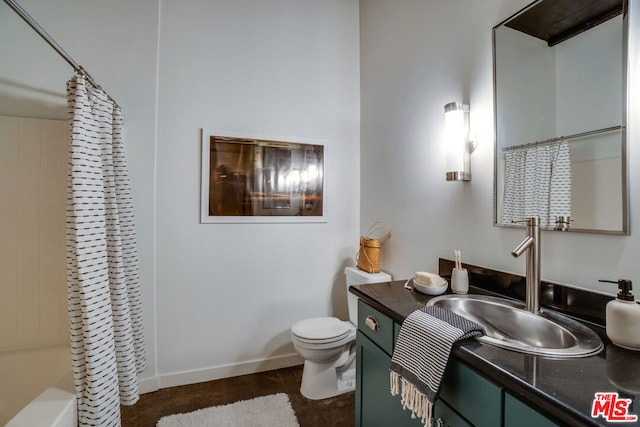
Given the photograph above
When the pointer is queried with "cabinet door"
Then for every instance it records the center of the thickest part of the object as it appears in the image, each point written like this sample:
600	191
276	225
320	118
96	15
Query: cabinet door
519	414
375	407
444	416
471	395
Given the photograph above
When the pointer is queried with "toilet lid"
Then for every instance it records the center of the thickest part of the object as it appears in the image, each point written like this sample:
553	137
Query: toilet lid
321	328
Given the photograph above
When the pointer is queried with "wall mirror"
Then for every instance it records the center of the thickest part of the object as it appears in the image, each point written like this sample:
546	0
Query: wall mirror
247	179
560	90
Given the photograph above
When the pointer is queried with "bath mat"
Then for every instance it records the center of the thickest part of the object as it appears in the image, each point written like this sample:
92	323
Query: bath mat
267	411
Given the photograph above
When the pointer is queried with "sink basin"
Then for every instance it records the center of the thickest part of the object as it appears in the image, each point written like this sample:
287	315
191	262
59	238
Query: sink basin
509	325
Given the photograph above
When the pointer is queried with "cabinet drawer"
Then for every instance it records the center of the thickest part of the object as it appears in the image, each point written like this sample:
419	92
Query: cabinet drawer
474	397
376	326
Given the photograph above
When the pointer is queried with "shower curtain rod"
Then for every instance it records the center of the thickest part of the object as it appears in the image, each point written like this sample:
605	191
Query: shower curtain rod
51	42
562	138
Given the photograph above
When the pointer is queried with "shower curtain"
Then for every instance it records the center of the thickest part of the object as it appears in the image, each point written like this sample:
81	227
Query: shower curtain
105	312
537	183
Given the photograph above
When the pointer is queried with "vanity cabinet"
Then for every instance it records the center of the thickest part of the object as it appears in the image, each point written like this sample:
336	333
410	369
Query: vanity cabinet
375	406
519	414
466	398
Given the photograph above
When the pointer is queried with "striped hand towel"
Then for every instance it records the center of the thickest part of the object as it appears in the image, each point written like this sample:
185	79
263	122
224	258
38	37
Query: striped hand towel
421	354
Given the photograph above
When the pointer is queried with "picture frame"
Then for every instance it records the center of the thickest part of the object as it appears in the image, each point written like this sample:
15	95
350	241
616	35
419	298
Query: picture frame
249	179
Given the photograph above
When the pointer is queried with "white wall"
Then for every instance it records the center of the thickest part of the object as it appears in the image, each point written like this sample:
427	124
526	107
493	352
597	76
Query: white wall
227	294
413	61
116	42
218	299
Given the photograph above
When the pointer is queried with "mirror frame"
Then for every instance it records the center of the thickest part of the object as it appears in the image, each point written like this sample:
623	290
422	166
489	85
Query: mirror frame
625	101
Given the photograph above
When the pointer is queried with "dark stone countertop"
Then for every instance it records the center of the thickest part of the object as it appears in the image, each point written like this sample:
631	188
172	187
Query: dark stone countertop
562	389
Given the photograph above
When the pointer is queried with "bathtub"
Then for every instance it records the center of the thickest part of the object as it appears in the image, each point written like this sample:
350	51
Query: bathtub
36	388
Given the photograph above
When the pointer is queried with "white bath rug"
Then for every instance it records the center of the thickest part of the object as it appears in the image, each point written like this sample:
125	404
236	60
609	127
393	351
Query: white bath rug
267	411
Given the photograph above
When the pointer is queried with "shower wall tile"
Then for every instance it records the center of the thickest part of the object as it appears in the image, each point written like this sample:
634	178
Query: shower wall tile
9	134
54	321
8	263
9	143
8	172
8	331
28	306
52	207
33	165
8	293
27	266
30	137
27	338
8	186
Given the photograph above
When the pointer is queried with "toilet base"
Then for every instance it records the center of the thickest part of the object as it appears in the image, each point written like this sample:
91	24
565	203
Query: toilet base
324	380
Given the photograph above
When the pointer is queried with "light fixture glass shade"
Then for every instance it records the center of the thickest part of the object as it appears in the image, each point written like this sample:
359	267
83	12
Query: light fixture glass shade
456	116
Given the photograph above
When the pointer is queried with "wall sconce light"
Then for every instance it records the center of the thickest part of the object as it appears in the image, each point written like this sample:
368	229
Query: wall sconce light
459	148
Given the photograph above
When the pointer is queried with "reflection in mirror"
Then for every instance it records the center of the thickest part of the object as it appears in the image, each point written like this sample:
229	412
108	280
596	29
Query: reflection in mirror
560	93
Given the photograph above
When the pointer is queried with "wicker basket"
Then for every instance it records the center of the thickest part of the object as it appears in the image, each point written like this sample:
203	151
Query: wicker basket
368	257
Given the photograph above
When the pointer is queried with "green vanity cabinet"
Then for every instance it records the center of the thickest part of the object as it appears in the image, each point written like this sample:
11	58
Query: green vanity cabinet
467	399
519	414
375	406
471	395
449	417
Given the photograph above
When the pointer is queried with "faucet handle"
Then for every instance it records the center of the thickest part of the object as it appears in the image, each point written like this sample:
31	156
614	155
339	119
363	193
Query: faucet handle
563	222
532	220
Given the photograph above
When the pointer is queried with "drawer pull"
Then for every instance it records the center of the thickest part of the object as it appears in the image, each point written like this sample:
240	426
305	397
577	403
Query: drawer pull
372	323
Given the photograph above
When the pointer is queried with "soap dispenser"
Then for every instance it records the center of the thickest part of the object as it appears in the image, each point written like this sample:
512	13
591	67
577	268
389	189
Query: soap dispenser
623	317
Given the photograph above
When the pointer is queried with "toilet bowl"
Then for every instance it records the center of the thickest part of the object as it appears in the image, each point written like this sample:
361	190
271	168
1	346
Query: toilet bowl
327	344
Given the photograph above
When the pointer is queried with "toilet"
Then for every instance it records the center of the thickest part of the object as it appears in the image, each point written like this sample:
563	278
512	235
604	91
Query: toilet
327	344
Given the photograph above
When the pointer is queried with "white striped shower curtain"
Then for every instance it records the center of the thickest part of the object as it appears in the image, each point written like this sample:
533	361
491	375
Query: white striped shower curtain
537	183
105	312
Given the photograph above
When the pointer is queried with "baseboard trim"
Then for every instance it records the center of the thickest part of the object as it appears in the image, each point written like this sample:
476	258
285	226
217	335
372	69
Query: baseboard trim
148	385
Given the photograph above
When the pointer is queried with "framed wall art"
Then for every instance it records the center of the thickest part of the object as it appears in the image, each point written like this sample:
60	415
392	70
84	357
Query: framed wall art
261	180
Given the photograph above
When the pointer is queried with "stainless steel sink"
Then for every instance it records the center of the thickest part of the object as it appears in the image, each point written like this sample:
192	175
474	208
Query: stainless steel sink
509	325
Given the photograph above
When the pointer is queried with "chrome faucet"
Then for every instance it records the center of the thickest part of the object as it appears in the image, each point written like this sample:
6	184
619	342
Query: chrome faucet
532	244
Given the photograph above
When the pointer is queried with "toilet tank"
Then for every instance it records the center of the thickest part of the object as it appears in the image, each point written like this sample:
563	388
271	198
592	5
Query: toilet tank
355	276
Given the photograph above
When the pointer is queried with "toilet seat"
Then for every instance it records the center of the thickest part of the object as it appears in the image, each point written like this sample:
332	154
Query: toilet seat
321	330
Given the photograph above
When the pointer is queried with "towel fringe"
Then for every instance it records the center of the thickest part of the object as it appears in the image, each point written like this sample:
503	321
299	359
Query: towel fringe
411	398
